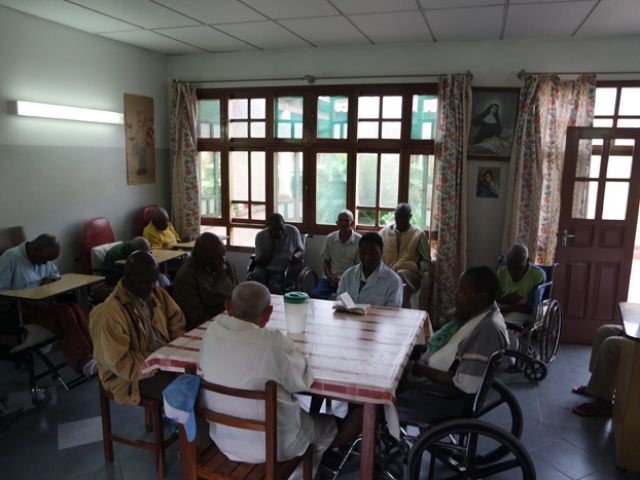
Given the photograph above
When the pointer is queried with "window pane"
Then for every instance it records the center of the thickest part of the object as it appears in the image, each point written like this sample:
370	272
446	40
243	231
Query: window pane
366	217
420	189
209	119
240	211
619	166
258	108
239	163
615	201
391	107
423	117
331	186
369	107
289	113
258	129
333	114
219	231
585	195
605	101
239	109
389	175
587	165
258	212
386	218
258	177
238	129
367	179
367	129
629	101
289	188
211	185
627	123
391	129
243	237
601	122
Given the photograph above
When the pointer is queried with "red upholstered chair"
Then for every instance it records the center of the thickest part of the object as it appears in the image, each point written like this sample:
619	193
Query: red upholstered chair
95	232
145	217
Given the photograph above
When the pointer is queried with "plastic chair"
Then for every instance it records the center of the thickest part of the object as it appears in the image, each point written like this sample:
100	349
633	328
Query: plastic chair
95	232
144	217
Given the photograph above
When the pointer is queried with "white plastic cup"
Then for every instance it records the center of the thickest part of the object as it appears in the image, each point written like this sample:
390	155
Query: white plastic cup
295	311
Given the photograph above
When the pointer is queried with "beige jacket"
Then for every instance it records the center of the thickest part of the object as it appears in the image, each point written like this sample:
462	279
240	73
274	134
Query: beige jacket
408	257
120	342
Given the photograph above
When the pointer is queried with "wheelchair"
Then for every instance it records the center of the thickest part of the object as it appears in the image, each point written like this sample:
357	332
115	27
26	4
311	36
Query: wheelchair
453	434
545	327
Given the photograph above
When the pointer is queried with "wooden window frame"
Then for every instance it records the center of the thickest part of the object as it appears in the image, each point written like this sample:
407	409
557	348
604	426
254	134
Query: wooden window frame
618	85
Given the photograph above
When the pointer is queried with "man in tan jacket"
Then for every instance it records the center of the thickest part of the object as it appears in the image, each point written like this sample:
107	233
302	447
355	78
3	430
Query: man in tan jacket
135	320
406	252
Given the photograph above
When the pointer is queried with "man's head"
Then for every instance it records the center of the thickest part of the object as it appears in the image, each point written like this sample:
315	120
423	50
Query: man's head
370	250
477	289
160	219
403	217
276	226
209	250
517	261
345	221
43	249
140	274
139	243
250	302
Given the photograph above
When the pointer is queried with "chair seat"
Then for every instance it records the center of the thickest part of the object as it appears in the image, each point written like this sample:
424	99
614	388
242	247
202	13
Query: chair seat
216	463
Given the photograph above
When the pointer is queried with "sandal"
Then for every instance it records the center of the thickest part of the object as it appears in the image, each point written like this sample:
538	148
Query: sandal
580	390
589	410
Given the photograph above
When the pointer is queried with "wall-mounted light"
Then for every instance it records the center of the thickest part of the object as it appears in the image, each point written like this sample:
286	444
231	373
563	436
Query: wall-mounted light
66	113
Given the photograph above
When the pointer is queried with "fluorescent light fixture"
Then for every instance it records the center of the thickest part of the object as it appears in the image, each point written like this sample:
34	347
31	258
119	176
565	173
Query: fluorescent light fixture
66	113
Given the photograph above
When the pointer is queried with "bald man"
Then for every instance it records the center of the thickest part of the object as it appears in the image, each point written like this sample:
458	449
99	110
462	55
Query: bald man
30	265
160	231
137	319
205	281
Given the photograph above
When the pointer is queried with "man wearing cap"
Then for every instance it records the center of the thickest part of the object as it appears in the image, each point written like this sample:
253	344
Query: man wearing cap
134	321
253	355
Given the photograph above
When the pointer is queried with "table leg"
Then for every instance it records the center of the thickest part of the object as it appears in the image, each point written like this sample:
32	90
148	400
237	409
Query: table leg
368	440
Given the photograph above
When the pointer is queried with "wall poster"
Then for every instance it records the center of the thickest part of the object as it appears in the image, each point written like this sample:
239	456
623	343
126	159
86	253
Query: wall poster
140	139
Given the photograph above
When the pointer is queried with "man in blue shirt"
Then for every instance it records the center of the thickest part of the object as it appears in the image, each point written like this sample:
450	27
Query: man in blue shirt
30	265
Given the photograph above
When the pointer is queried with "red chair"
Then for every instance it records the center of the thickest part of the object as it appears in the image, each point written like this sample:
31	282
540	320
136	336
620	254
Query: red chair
95	232
145	217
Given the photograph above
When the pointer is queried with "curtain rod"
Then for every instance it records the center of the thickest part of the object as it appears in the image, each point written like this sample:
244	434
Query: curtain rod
311	79
523	72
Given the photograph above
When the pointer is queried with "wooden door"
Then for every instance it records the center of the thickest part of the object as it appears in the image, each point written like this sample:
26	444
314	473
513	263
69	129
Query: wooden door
596	234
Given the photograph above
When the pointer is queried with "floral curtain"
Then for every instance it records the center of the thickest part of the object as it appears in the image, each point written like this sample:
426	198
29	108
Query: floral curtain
185	188
548	106
448	218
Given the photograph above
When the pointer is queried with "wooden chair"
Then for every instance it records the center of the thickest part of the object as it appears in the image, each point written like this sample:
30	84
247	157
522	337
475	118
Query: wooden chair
212	464
153	422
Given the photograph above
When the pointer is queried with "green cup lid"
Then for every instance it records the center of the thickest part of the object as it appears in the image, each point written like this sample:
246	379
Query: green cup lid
295	297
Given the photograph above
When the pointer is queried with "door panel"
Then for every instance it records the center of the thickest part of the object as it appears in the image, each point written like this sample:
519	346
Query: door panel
598	218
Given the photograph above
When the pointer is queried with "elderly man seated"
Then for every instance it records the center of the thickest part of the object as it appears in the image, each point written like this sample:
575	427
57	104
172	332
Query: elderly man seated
371	281
205	282
340	253
135	320
29	265
518	281
160	231
406	252
252	355
277	247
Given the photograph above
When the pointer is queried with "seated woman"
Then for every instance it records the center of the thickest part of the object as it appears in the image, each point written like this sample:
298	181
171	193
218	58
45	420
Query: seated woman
371	281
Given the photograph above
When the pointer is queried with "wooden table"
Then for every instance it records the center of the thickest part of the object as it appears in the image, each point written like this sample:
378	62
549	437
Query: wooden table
190	245
162	256
626	405
357	359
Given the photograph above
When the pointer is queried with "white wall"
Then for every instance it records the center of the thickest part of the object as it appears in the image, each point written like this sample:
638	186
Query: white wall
55	174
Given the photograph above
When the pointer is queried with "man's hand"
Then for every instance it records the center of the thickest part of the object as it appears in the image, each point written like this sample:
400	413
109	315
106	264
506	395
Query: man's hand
510	298
49	279
295	258
334	281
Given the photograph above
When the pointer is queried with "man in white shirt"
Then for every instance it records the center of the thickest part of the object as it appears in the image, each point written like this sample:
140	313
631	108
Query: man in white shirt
238	352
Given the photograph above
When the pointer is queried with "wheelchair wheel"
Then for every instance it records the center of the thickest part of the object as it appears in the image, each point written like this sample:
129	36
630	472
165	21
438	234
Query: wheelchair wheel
40	397
307	280
498	396
551	332
451	451
535	370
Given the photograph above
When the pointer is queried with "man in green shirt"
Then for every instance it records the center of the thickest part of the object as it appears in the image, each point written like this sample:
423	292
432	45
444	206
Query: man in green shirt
122	251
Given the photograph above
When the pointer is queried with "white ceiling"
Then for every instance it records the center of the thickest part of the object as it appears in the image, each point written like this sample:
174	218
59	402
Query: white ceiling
176	27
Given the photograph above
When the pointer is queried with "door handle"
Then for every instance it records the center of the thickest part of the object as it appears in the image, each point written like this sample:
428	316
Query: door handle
566	235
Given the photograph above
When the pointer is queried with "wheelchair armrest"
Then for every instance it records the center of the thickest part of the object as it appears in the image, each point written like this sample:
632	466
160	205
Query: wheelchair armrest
432	388
418	351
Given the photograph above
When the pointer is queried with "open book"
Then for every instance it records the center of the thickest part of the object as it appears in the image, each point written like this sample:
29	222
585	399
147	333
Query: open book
344	303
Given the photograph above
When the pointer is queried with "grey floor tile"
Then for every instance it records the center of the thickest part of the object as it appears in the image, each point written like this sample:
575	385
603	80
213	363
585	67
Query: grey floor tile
142	465
610	473
569	460
81	460
535	436
81	432
111	472
545	471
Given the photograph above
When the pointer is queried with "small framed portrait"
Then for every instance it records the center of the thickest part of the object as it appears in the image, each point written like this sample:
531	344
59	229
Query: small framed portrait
488	185
493	121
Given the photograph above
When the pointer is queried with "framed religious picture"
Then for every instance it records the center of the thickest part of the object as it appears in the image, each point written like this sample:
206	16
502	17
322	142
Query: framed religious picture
493	121
488	185
139	139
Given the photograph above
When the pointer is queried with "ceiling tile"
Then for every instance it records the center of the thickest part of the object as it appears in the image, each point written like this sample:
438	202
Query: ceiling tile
619	17
143	13
511	2
207	38
265	35
466	24
326	31
543	20
374	6
214	11
153	41
70	15
284	9
460	3
398	27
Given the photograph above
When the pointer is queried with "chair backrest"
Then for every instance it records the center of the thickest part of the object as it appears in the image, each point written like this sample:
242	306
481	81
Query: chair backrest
144	217
11	237
95	232
487	380
269	425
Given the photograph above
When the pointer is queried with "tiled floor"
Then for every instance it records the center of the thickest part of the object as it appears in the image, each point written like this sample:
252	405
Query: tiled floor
63	440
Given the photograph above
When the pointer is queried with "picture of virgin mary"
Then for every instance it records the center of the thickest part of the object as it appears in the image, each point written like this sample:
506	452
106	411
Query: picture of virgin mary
492	123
